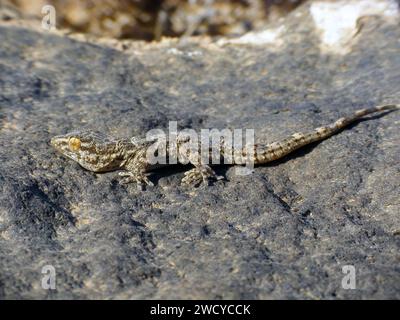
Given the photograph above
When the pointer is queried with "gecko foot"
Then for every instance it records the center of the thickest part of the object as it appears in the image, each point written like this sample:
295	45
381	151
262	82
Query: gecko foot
139	178
196	176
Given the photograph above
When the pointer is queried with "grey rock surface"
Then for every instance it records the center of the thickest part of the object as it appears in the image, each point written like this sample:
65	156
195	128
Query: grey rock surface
285	231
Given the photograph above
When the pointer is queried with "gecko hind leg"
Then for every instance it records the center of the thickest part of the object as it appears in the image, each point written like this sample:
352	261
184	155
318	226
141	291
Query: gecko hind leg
199	174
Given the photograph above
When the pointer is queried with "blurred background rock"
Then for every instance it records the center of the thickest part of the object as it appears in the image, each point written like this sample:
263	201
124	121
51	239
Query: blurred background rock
153	19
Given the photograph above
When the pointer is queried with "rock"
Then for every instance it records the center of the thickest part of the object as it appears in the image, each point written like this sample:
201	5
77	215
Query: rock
150	20
286	231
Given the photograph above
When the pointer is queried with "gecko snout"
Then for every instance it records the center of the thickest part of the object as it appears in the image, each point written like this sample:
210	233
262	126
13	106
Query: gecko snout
58	141
62	143
68	146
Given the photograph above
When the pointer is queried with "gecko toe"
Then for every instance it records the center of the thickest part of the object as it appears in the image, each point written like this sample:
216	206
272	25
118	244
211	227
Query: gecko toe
199	176
140	179
192	178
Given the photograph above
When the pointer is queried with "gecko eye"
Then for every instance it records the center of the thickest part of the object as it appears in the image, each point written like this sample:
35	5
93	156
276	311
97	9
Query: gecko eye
74	144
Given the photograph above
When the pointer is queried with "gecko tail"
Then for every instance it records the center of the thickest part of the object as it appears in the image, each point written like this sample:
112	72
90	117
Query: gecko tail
276	150
386	107
345	121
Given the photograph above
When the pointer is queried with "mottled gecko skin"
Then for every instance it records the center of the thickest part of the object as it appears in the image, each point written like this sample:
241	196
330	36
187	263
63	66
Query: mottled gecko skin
100	153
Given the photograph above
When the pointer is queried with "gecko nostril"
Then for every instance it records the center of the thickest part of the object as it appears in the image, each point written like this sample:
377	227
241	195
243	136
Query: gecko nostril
53	141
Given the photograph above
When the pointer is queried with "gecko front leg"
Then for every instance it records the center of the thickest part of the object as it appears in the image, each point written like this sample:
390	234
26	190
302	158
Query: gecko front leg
135	171
137	177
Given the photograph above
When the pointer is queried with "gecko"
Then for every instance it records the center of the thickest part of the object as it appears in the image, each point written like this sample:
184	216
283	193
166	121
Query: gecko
98	152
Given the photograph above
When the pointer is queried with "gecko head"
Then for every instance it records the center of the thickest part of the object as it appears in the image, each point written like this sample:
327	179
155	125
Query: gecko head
85	147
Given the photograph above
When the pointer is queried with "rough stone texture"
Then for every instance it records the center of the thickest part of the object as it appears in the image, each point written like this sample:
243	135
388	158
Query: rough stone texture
149	20
283	232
